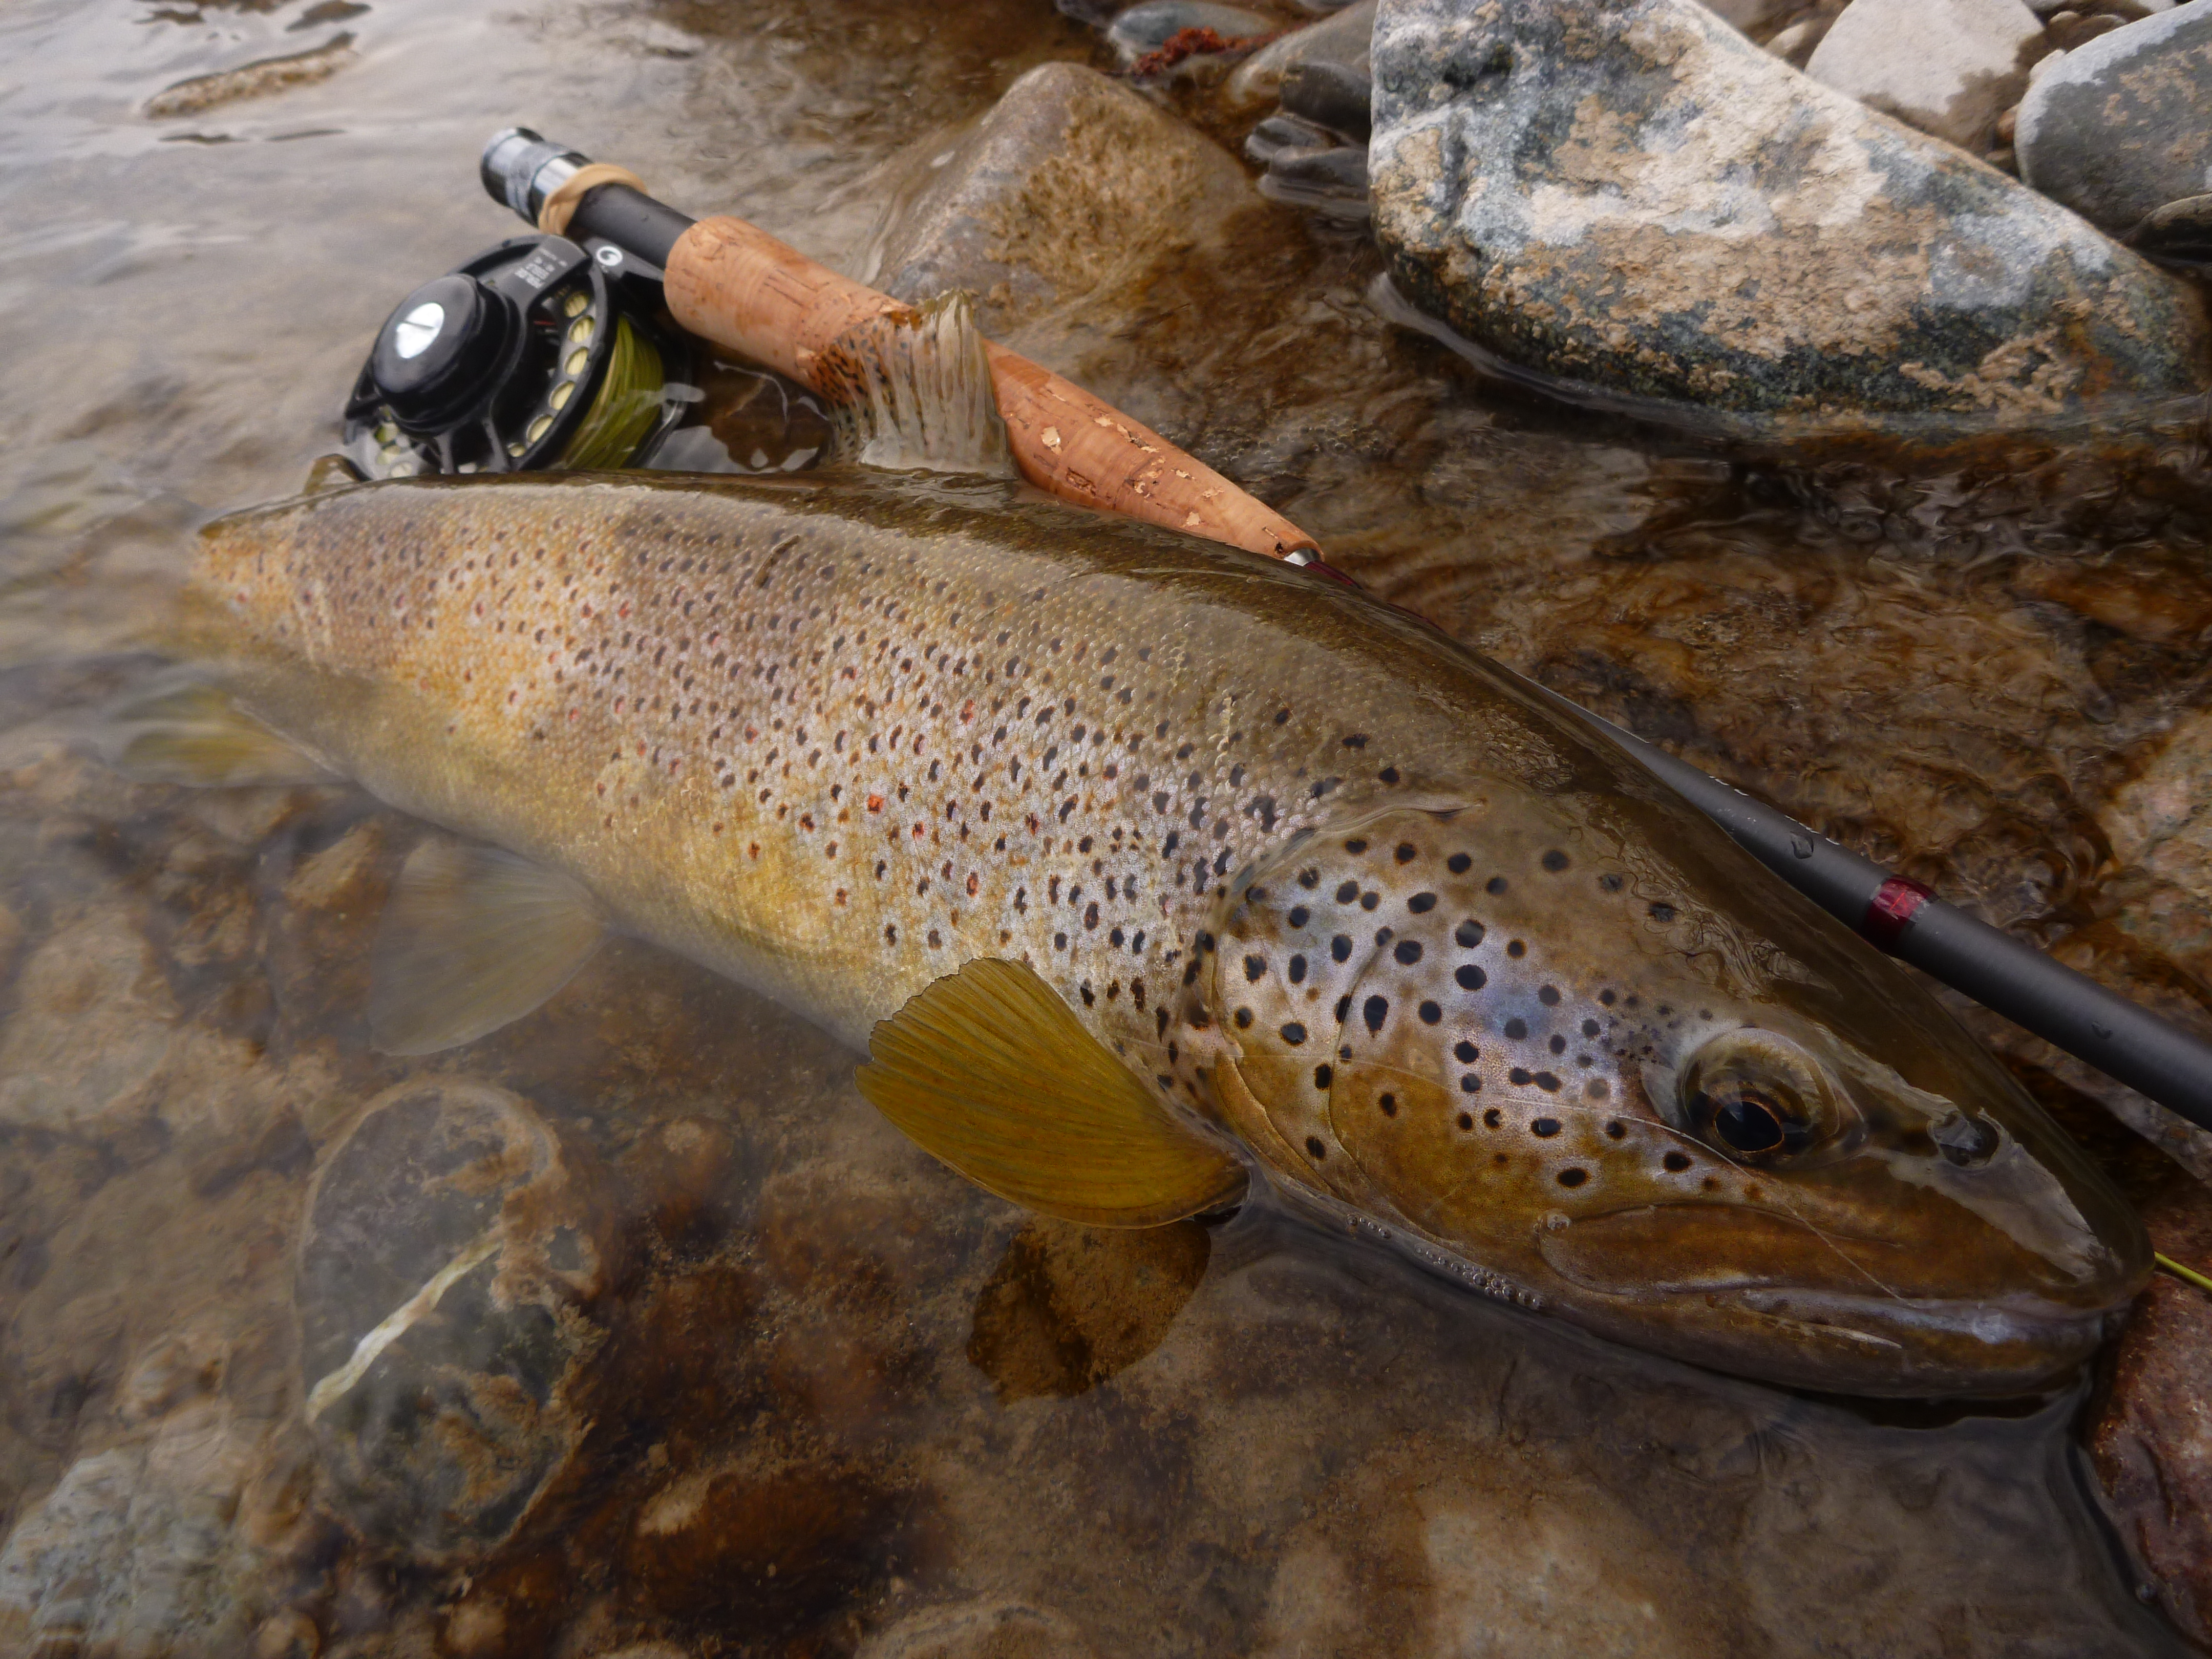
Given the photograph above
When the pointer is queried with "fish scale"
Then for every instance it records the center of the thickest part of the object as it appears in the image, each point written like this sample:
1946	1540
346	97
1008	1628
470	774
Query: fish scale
1308	875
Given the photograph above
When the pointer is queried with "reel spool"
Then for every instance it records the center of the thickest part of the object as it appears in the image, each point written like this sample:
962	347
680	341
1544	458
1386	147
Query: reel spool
535	354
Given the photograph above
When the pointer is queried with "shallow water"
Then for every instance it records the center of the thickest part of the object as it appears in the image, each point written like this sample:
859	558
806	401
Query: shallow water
789	1386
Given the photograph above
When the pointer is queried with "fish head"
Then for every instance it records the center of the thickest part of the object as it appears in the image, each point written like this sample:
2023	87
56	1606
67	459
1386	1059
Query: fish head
1656	1091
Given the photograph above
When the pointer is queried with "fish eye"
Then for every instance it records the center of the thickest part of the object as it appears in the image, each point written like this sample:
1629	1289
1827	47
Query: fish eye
1759	1098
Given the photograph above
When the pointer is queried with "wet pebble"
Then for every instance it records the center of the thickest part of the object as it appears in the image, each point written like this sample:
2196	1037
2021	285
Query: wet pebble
1947	67
1334	95
2117	130
1342	39
1153	26
446	1278
980	1630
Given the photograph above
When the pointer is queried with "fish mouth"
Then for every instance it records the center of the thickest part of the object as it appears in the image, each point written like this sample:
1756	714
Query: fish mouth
1762	1294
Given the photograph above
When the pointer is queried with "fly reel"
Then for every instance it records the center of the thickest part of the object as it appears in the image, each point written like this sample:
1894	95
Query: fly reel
538	353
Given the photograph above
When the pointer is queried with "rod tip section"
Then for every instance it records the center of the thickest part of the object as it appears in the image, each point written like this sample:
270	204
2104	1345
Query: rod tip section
522	168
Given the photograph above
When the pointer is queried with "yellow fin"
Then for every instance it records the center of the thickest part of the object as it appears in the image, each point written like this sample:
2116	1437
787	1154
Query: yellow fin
192	733
987	1070
474	938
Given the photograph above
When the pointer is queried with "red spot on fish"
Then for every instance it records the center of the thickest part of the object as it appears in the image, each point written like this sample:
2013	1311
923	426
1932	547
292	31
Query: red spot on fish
718	828
968	710
917	832
875	803
753	851
618	705
572	714
972	883
841	895
806	820
624	611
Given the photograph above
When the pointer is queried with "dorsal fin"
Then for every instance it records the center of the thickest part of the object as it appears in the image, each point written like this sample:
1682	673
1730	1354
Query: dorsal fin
474	938
913	391
989	1071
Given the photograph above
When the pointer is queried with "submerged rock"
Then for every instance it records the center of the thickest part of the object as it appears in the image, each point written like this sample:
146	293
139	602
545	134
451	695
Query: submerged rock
450	1255
1072	184
2152	1444
1636	198
1947	67
2118	130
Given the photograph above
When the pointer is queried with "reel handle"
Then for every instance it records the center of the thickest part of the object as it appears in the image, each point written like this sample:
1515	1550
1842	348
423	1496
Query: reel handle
734	284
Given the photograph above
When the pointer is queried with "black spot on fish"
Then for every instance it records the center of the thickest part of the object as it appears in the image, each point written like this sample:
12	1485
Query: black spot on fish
1677	1162
1282	717
1298	973
1467	934
1458	864
1309	878
1470	1085
1597	1088
1408	951
1421	903
1573	1177
1356	845
1609	882
1466	1053
1244	1020
1663	913
1606	997
1293	1033
1407	852
1299	915
1549	996
1367	901
1343	1007
1514	948
1471	978
1616	1130
1346	892
1060	942
1431	1013
1495	885
1558	1045
1389	775
1324	1076
1547	1082
1314	1150
1375	1011
1340	947
1492	1117
1516	1028
1555	860
1354	740
1389	1103
1590	1028
1253	968
1516	1077
1466	1120
1544	1127
1383	936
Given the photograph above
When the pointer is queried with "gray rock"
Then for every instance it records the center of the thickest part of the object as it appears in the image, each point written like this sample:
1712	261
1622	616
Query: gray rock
2121	128
1330	181
1634	197
1072	184
450	1259
1342	39
1947	67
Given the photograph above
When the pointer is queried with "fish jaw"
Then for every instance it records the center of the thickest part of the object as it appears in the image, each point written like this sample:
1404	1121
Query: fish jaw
1475	1025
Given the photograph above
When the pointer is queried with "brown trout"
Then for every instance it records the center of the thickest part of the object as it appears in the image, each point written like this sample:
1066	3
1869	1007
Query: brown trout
1153	873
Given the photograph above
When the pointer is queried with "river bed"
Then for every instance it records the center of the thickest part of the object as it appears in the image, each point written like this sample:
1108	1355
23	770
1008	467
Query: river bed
810	1394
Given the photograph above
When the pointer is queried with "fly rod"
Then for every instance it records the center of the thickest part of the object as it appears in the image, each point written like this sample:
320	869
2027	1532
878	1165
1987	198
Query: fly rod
733	284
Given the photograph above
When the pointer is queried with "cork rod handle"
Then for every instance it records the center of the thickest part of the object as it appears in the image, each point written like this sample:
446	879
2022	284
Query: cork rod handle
734	284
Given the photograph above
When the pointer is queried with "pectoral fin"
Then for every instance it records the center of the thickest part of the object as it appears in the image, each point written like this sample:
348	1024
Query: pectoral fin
989	1071
475	938
192	733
